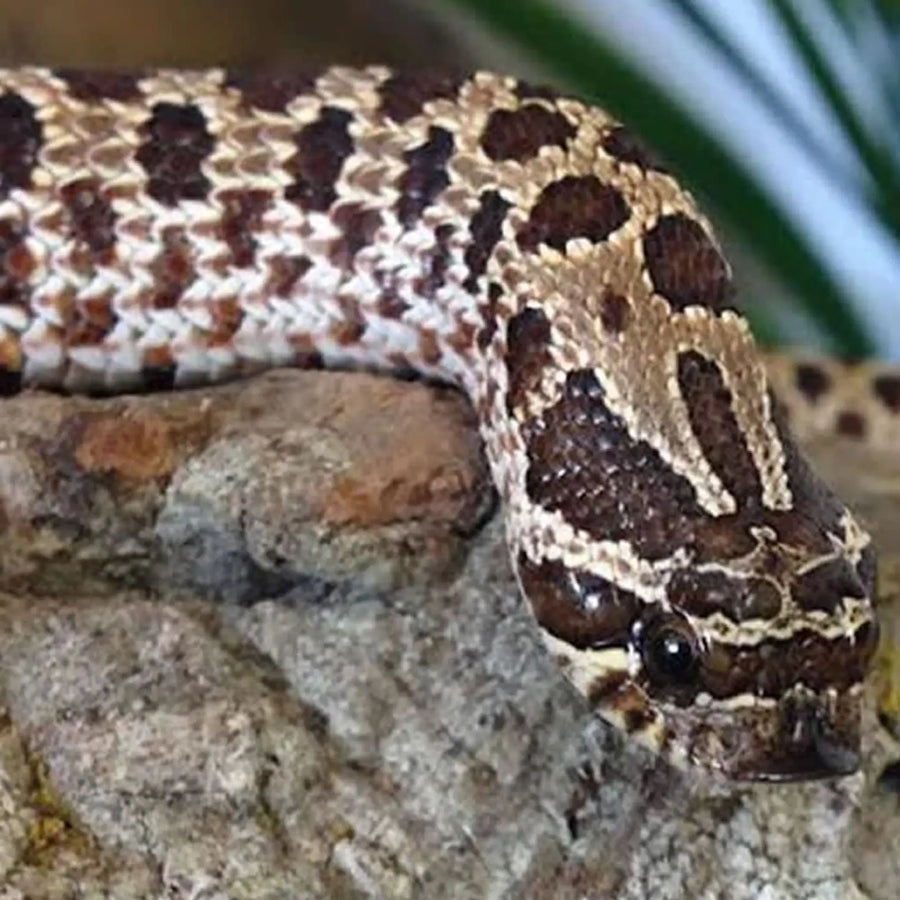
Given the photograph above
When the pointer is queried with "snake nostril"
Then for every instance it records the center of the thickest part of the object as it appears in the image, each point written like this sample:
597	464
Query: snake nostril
834	752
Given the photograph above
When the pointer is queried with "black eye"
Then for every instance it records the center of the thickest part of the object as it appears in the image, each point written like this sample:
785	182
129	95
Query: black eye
670	651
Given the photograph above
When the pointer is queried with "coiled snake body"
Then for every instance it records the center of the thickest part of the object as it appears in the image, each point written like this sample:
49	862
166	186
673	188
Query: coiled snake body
695	579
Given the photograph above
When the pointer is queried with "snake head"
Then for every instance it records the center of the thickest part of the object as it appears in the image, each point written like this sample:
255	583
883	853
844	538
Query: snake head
751	667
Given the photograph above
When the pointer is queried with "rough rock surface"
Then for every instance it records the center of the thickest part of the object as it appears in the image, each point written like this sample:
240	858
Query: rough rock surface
262	641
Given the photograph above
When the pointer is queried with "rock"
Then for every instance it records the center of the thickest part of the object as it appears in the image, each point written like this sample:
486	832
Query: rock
263	641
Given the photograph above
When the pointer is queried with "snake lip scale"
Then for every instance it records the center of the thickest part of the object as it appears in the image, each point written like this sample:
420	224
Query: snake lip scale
692	575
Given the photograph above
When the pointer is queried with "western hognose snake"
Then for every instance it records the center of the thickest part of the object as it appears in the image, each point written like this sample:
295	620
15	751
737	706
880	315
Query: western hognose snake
692	575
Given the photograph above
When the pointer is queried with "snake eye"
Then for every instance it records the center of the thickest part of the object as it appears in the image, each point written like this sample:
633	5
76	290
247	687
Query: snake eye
670	652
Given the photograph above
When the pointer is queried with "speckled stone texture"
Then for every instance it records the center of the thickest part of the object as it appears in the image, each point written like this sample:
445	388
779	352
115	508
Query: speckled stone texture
262	641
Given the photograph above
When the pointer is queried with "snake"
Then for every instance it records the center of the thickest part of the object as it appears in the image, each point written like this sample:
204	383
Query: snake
691	575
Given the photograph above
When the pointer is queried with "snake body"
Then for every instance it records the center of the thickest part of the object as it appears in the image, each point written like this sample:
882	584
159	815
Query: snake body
694	578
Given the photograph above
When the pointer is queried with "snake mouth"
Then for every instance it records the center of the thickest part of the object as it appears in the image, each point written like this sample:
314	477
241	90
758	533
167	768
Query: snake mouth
803	736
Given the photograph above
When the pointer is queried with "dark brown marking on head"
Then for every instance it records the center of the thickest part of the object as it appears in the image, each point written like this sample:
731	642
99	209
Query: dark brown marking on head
605	688
489	314
578	607
322	147
485	230
16	265
285	272
426	175
632	706
705	593
91	216
270	91
811	380
624	146
242	214
359	225
404	96
525	90
576	206
585	465
175	142
527	354
684	264
811	495
824	586
887	390
713	422
20	139
520	134
173	269
850	424
773	667
96	85
615	312
439	262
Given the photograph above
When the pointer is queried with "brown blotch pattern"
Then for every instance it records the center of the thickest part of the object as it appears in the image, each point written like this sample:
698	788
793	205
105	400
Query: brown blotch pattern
404	96
684	264
426	175
527	353
173	269
242	213
489	315
484	232
615	312
887	390
270	91
519	134
95	85
705	593
439	263
359	225
713	422
91	216
585	465
16	265
579	608
285	272
20	139
322	147
624	146
576	206
91	321
812	381
352	326
227	316
851	424
390	306
175	141
824	586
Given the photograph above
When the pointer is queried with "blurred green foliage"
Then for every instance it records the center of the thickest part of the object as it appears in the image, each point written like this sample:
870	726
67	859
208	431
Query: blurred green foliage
595	70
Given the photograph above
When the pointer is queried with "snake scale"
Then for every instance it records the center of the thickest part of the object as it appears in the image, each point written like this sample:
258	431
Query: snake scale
693	577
